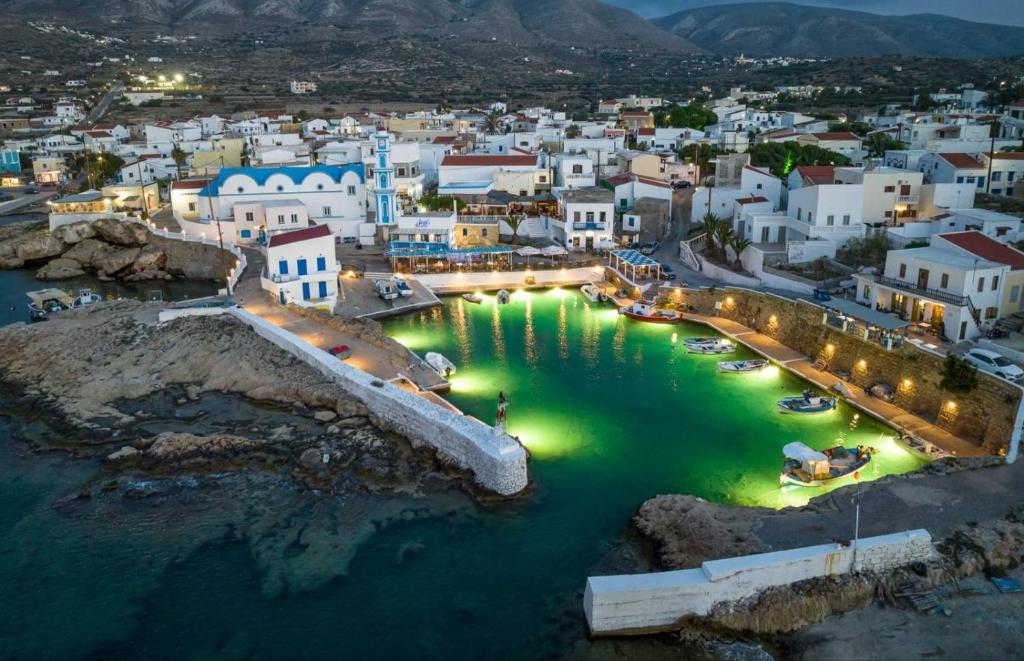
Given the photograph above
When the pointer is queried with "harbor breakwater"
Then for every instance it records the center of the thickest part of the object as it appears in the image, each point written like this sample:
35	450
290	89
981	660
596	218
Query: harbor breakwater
497	460
987	415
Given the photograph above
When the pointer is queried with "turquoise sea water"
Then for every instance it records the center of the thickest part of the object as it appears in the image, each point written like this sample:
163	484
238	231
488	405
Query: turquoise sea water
250	567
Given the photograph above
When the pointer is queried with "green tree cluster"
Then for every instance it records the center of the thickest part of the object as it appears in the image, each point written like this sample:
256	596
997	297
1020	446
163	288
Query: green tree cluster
433	202
958	374
694	116
97	168
781	157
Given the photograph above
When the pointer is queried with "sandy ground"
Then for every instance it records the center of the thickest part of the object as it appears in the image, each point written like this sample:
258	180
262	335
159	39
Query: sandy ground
984	624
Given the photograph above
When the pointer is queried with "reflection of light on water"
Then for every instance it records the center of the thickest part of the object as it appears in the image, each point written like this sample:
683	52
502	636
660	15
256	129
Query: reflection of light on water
497	335
462	330
607	315
529	335
521	295
768	373
619	344
468	383
558	292
563	332
411	340
542	438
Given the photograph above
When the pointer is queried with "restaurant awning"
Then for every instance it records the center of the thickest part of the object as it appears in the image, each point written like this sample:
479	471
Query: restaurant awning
867	315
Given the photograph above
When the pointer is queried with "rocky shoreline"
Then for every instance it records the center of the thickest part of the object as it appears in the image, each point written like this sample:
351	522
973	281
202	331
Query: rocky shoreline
98	373
977	516
110	248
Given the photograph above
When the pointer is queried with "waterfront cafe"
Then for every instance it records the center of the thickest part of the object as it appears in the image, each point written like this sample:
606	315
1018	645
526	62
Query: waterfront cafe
634	265
870	325
427	257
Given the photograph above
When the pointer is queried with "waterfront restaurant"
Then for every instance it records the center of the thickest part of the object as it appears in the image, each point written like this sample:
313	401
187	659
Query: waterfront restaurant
427	257
885	329
634	265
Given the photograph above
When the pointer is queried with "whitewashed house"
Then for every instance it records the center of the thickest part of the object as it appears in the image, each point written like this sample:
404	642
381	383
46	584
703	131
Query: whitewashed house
891	196
586	218
720	200
302	268
574	171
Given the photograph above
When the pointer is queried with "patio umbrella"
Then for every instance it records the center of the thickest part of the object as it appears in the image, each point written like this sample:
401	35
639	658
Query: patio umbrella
551	251
527	252
605	244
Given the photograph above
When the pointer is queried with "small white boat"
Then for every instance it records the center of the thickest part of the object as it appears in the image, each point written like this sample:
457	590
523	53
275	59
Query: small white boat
714	345
503	296
43	302
650	313
440	364
473	298
806	467
593	293
740	366
386	290
84	297
807	403
922	448
403	287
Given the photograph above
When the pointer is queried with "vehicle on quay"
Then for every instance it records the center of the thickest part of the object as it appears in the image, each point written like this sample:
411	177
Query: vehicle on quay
993	363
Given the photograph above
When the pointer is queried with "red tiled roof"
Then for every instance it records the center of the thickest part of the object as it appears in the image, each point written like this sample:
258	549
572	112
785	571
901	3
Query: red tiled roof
444	139
295	236
818	174
837	135
1009	156
962	161
99	134
488	159
646	131
650	181
978	244
619	179
190	184
754	199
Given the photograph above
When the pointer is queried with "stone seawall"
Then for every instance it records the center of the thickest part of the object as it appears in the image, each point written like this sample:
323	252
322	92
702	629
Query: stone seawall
644	603
986	416
497	460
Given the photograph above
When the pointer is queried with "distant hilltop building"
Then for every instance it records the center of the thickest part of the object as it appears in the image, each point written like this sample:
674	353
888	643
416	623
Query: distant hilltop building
302	87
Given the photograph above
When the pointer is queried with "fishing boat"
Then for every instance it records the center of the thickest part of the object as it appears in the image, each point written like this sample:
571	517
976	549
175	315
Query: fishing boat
807	403
440	364
922	448
503	296
645	312
593	293
43	302
709	345
740	366
806	467
473	298
85	297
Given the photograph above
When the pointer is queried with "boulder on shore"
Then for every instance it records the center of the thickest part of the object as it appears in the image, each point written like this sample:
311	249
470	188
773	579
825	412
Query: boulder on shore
75	232
117	260
85	251
60	269
152	258
32	248
120	233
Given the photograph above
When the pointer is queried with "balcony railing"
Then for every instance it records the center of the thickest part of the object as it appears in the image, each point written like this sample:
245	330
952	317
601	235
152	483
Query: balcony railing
588	226
936	294
907	199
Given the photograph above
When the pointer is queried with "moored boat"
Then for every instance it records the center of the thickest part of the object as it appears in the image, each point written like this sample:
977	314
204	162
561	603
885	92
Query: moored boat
503	296
740	366
709	345
645	312
43	302
807	467
807	403
593	293
440	364
84	297
473	298
403	287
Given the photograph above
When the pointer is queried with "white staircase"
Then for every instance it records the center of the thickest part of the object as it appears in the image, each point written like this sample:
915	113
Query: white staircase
533	228
688	251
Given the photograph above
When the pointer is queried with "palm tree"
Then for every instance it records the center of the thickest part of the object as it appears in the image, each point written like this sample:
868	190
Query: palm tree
492	122
514	221
723	234
738	244
179	156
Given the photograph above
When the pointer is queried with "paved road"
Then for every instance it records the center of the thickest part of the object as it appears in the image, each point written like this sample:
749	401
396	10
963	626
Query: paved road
22	202
101	108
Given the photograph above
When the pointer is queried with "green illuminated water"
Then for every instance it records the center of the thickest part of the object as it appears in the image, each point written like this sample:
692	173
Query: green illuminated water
613	411
248	566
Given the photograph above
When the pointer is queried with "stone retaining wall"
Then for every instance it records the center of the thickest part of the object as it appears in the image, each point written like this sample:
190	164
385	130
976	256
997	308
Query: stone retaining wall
643	603
986	415
497	460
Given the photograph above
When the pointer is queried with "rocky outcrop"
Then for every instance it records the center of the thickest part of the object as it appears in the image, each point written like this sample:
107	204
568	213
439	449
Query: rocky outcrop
85	251
115	261
120	233
35	248
150	258
60	269
75	232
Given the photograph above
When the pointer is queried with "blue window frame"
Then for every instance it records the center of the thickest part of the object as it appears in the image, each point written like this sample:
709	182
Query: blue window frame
282	267
959	180
321	263
302	267
305	291
246	234
323	289
981	182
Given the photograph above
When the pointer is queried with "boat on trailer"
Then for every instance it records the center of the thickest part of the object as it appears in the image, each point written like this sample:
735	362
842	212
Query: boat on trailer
709	345
440	364
807	467
43	302
741	366
646	312
594	293
473	298
807	403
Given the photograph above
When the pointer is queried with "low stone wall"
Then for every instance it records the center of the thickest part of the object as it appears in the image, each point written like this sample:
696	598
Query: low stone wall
497	460
643	603
986	415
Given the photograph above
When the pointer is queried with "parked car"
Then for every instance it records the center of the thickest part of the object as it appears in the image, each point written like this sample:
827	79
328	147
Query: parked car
6	196
668	275
678	185
31	191
993	363
341	352
648	248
